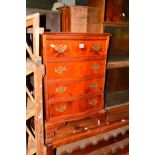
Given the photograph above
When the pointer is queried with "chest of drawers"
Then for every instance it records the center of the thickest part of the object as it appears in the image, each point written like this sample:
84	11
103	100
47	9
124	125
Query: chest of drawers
74	75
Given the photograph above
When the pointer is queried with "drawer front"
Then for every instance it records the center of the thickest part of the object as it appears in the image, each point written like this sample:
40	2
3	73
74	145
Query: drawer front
60	70
91	86
63	108
75	48
75	69
91	103
61	89
89	68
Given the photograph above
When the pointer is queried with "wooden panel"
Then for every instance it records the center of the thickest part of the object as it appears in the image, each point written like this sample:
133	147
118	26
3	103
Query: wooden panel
91	103
53	21
117	113
82	19
101	5
68	138
94	20
117	79
90	86
90	68
116	98
62	89
63	108
119	42
65	19
75	69
60	70
117	10
69	48
120	63
78	19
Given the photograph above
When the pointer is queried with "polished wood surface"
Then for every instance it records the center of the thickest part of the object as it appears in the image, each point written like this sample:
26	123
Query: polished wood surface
117	11
114	118
75	74
117	79
65	19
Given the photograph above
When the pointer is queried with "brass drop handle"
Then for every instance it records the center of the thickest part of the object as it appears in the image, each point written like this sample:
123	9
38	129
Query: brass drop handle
61	89
61	69
93	102
59	48
96	47
94	85
61	108
95	66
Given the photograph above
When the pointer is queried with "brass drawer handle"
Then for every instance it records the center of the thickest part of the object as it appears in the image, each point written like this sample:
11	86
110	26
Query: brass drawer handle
60	48
96	47
60	69
95	66
61	108
94	85
93	102
61	89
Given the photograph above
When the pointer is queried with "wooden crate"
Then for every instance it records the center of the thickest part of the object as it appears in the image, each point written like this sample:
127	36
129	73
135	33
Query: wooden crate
81	19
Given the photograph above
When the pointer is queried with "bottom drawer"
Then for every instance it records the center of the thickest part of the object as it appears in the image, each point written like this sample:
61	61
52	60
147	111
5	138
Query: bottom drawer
63	108
91	103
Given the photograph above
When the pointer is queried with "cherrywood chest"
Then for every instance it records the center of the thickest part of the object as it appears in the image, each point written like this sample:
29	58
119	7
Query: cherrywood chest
74	79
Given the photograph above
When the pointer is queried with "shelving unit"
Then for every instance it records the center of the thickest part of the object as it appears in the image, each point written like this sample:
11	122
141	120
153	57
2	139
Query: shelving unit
34	101
118	63
116	22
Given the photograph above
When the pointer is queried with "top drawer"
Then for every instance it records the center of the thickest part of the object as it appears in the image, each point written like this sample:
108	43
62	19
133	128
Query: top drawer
75	48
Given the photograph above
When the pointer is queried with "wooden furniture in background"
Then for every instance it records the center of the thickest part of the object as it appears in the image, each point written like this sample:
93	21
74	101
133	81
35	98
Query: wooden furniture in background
34	100
75	74
49	20
81	19
100	4
117	11
117	76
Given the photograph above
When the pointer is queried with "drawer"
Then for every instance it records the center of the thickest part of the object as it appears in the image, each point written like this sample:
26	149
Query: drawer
61	89
63	108
75	48
90	86
89	68
61	70
75	69
91	103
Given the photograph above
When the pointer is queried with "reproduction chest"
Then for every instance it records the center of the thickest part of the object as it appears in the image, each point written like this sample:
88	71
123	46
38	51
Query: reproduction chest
74	75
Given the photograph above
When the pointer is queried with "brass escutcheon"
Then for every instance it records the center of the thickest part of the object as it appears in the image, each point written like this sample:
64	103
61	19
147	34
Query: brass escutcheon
95	66
93	102
60	69
94	85
61	89
61	108
60	48
96	47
